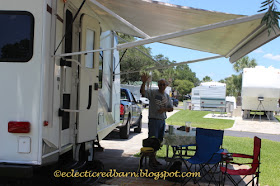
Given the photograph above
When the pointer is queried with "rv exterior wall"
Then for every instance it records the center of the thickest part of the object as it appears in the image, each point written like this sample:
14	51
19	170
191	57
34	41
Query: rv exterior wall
209	96
21	92
260	82
109	94
50	84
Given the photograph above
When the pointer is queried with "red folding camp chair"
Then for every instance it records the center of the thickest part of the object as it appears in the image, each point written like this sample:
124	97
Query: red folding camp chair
253	170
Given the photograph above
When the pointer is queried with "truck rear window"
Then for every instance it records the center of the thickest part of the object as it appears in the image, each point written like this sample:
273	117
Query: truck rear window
16	36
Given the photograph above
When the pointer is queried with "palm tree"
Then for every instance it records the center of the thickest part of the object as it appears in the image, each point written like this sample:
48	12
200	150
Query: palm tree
234	83
272	14
244	62
206	79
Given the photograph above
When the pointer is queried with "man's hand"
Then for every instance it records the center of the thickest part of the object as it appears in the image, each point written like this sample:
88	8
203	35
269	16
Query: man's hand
145	77
162	110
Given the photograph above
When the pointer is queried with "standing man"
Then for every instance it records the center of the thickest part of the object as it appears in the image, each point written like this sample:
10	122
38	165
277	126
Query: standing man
160	103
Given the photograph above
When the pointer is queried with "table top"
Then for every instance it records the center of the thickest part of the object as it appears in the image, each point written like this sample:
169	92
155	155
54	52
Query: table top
179	138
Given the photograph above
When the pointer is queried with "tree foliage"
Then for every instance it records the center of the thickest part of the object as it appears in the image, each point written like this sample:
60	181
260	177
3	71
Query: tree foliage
133	60
244	62
234	82
206	79
167	73
183	86
183	72
272	14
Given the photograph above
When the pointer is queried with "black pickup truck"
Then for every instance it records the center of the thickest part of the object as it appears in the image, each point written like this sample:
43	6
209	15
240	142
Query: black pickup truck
130	114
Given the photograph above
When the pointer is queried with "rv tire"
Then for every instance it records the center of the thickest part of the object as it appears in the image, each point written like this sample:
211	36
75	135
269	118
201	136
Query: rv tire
124	131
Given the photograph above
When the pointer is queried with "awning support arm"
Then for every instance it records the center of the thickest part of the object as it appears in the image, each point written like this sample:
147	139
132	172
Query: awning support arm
121	19
67	31
83	52
189	31
147	55
173	64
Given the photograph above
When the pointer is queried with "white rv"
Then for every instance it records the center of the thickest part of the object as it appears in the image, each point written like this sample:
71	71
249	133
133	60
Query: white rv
53	104
260	90
209	96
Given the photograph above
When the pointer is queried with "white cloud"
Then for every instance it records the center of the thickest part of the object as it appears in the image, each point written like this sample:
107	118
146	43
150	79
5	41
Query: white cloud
272	57
259	50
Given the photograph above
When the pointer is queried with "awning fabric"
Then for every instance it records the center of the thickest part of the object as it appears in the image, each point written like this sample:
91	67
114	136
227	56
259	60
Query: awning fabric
157	18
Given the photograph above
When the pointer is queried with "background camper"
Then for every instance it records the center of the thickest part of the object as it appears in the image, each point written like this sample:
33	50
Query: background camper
209	96
260	90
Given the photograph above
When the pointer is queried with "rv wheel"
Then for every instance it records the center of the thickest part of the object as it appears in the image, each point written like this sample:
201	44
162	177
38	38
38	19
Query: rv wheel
124	131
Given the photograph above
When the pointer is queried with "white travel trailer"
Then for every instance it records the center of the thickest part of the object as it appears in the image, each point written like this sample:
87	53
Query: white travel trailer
51	104
260	90
209	96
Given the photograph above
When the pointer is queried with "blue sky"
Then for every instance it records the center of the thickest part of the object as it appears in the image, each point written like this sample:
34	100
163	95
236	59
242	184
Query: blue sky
267	55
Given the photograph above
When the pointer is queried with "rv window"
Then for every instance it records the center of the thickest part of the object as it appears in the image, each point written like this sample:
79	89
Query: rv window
89	46
68	32
100	69
17	32
196	93
114	68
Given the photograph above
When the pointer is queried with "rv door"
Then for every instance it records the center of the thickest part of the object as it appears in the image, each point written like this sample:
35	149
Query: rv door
88	84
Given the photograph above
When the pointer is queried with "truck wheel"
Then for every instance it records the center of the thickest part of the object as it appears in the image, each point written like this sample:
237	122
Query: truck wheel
124	131
139	126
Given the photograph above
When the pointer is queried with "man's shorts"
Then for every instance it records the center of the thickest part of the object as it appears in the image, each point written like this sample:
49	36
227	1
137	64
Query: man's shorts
156	128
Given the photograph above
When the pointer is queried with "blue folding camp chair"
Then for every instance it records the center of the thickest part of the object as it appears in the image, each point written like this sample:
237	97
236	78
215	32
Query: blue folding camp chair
207	155
181	151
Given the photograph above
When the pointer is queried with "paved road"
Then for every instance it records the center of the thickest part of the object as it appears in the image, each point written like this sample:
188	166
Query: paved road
273	137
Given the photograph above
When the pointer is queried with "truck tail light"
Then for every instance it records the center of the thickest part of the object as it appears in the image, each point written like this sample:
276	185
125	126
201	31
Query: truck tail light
121	110
18	127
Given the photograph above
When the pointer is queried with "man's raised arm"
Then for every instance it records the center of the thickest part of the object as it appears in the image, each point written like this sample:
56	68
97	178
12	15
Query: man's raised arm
144	79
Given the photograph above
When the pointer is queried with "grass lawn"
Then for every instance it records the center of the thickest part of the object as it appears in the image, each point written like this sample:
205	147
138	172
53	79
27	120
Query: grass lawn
269	156
180	103
270	161
277	117
197	120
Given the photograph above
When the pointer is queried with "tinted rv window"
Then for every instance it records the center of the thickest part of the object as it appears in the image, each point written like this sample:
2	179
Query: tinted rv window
114	68
16	36
68	32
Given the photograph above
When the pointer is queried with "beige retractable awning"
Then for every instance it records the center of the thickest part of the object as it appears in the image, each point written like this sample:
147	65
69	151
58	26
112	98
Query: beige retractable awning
208	31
